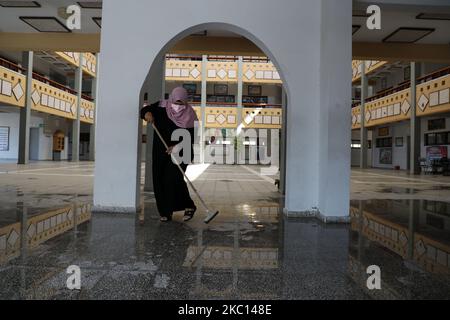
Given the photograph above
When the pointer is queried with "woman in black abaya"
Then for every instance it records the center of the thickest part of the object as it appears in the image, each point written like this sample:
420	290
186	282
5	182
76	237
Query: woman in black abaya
171	191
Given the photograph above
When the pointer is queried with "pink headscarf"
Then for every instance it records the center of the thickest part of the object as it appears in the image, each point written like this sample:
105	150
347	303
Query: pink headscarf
185	116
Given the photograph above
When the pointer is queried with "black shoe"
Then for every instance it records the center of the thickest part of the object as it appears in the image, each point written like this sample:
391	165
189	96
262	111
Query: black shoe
189	213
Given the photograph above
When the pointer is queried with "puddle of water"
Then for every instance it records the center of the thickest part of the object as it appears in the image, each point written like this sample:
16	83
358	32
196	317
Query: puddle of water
399	190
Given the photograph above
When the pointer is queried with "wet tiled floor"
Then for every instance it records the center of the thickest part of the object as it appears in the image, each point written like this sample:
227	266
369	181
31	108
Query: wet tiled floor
250	251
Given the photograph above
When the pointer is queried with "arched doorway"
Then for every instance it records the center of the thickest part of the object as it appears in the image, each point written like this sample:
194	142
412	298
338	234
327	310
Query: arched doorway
311	48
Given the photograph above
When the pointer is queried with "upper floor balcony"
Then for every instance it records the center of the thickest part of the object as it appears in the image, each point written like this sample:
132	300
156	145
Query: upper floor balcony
221	69
393	105
229	115
47	96
370	66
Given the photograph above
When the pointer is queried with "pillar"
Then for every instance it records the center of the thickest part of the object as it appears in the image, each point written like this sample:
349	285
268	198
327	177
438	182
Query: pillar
274	148
202	127
155	91
282	186
76	121
95	97
25	112
363	150
414	126
240	91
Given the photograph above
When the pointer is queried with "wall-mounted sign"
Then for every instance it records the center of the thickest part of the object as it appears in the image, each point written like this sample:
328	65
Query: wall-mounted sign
386	156
383	131
436	152
4	138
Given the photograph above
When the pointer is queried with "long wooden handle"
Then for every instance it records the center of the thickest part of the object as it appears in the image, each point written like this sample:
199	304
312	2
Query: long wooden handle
179	167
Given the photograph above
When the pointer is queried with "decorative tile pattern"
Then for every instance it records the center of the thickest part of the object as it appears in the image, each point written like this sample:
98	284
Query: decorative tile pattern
220	118
222	73
405	106
434	99
18	91
195	73
12	238
249	74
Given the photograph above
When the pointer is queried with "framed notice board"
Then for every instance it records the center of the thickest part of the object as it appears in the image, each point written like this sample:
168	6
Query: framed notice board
4	138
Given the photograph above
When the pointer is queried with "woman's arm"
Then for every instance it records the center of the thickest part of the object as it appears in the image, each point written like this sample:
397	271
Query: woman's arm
148	113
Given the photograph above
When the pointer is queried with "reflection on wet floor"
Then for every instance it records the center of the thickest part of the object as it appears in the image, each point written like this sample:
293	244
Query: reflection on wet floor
399	190
31	229
250	251
410	239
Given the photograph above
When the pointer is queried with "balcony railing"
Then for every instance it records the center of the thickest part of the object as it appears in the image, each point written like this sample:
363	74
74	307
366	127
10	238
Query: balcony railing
47	96
262	105
73	58
386	92
370	66
394	104
220	69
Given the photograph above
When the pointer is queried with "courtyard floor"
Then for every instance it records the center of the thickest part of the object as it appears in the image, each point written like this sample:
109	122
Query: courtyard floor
399	222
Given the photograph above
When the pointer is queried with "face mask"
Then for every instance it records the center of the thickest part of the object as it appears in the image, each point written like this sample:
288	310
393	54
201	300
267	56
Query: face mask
177	107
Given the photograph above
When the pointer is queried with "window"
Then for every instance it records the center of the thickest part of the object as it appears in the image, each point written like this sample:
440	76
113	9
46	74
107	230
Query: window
438	138
436	124
442	208
383	142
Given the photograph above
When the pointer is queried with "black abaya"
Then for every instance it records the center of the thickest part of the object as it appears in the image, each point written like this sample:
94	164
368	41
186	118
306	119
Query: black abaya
171	191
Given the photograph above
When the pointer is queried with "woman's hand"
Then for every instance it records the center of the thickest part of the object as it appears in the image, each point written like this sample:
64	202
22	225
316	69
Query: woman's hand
148	117
174	149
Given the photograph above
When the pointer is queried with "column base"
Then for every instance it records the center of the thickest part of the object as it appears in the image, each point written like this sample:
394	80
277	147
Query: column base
107	209
316	214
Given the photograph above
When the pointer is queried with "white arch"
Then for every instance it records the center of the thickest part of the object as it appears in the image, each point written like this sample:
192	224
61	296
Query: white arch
217	26
309	42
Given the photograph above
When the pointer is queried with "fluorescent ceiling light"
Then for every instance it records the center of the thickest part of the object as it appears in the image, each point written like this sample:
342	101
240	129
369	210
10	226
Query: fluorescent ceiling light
19	4
408	35
45	24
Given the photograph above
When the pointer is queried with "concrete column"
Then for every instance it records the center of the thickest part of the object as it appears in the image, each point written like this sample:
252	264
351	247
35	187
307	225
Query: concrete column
240	90
203	106
414	126
363	150
155	91
25	113
332	125
274	147
284	103
240	87
95	96
76	121
414	210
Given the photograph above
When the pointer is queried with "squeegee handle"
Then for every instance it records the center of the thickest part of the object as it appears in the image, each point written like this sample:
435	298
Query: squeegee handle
179	167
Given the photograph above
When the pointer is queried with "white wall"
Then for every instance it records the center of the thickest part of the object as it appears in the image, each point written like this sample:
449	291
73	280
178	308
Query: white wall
11	120
399	154
45	146
356	153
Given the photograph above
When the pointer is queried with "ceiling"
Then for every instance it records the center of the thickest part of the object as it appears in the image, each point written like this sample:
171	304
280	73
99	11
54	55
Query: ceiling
10	16
395	14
